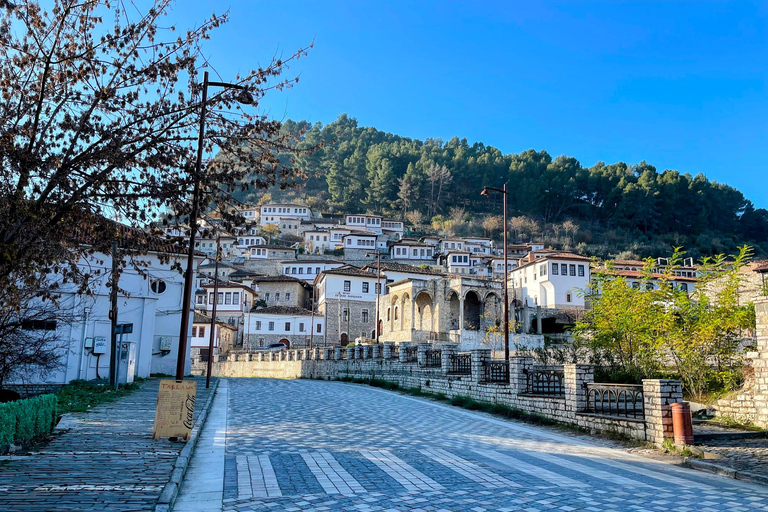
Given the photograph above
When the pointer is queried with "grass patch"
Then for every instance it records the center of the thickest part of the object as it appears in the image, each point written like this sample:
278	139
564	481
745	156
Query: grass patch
729	422
81	395
669	447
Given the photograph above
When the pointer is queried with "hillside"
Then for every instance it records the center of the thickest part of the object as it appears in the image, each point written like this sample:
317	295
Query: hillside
603	210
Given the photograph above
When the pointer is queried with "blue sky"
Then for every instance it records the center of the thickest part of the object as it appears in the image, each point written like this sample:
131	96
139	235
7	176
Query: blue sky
681	85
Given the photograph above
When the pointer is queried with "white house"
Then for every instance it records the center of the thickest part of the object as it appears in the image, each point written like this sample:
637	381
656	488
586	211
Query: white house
451	244
684	277
295	327
552	281
250	213
408	249
308	269
357	244
371	223
457	262
245	241
223	336
477	245
273	213
393	227
497	266
318	241
226	242
271	252
150	303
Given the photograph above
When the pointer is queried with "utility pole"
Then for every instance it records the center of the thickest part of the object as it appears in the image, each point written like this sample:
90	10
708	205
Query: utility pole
113	318
486	192
213	312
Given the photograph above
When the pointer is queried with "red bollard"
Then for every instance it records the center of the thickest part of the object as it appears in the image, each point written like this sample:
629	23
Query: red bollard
682	427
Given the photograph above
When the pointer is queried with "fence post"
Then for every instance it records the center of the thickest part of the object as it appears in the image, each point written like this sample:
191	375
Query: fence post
387	349
480	356
517	367
657	395
404	351
366	351
421	353
575	376
350	352
446	351
337	353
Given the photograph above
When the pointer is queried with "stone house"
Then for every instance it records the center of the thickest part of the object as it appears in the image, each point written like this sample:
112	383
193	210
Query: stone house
276	212
346	298
408	249
308	269
223	337
282	290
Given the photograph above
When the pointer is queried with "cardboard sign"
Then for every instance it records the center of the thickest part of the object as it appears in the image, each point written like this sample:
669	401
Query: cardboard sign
175	409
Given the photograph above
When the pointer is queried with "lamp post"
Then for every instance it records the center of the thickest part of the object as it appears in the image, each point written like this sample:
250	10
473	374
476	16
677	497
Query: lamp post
378	292
243	97
213	312
487	192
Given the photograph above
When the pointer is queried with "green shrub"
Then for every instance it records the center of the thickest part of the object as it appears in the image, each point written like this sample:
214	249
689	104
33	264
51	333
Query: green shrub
25	420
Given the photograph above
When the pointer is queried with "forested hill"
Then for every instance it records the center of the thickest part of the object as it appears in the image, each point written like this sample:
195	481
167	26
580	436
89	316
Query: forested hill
603	210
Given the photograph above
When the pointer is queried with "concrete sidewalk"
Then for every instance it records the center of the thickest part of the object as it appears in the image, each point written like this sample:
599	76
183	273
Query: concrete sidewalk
104	460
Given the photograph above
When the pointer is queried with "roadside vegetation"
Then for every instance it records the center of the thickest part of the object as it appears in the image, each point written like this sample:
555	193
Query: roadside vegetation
81	395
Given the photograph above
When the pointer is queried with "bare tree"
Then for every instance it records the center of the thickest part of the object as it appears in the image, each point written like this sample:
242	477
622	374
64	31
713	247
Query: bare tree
439	178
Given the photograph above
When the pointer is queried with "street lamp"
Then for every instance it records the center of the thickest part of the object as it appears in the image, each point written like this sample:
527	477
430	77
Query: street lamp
213	312
243	97
487	192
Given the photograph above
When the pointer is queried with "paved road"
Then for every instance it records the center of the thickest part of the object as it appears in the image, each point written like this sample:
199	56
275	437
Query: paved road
305	445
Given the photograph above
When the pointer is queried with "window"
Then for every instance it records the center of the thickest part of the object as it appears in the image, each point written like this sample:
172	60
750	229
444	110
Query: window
301	270
684	287
364	314
200	331
258	325
543	270
194	332
287	296
319	328
293	270
347	286
38	325
568	297
636	285
235	298
266	296
157	286
228	298
200	299
395	312
317	270
581	270
365	287
345	314
287	326
554	269
221	298
572	269
301	326
271	326
377	288
389	311
564	269
277	296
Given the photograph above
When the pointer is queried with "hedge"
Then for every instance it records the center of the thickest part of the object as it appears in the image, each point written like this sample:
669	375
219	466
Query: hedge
25	420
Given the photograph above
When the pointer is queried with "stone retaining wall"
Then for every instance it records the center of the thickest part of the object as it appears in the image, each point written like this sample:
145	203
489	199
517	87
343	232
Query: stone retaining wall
30	390
380	362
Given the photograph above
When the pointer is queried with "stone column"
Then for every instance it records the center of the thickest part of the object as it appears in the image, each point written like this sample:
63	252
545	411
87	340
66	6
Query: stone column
316	354
337	353
657	395
421	354
480	356
446	351
262	356
387	349
327	353
366	351
760	363
249	357
350	352
358	352
403	347
575	377
517	367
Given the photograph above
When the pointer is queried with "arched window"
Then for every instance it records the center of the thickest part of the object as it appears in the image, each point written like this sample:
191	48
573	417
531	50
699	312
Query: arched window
395	312
389	313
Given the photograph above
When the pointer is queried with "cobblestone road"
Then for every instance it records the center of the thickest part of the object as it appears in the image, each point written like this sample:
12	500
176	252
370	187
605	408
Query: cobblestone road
106	461
325	446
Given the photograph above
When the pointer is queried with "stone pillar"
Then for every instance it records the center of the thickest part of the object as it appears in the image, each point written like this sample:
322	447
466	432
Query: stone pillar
403	347
526	327
657	395
316	353
358	352
575	377
350	352
538	319
337	353
249	357
327	353
517	367
446	351
262	356
421	354
366	351
480	356
387	349
760	363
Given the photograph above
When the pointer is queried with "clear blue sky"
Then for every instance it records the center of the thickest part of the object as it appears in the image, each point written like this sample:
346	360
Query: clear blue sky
681	85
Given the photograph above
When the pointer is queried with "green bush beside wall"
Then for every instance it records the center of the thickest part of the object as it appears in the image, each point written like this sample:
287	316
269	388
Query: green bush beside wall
25	420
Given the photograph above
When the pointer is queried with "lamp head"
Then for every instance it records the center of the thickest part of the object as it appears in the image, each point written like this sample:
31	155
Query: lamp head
245	97
485	192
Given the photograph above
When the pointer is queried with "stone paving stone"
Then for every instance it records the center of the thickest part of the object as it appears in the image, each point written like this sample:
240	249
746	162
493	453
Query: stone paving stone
107	461
320	437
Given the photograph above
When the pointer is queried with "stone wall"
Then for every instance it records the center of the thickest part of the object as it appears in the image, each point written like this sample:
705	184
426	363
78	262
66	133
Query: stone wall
750	403
385	363
29	390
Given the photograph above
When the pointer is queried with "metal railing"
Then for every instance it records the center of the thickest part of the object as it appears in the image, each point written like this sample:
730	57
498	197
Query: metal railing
619	400
497	372
411	354
434	359
461	364
544	381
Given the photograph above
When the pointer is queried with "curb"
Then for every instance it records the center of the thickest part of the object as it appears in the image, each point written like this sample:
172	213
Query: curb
171	489
727	472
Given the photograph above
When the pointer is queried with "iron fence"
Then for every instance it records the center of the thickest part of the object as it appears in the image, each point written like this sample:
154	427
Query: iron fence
411	354
544	381
434	359
461	364
618	400
497	372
